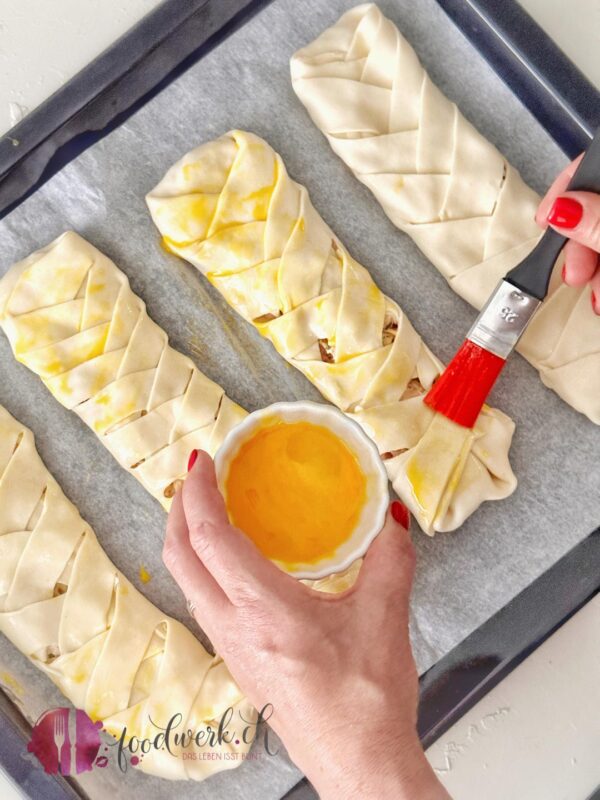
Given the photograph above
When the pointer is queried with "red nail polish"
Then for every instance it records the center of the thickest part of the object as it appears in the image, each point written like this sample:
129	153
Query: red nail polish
565	213
192	459
595	304
400	514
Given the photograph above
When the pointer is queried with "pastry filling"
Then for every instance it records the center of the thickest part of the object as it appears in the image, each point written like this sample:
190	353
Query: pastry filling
297	490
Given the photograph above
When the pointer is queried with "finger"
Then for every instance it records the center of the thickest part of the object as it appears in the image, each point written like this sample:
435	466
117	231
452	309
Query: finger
558	187
389	563
580	264
203	492
230	556
577	215
194	580
595	298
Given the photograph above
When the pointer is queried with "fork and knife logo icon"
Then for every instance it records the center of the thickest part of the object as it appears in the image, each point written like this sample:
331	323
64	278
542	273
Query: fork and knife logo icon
65	731
67	741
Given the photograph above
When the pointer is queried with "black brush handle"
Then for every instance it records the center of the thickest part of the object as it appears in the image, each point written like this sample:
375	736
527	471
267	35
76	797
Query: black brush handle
532	275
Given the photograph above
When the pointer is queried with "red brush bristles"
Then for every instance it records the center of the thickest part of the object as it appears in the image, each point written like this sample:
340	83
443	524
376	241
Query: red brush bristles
462	389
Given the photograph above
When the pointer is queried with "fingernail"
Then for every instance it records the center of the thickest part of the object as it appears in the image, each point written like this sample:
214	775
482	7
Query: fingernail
595	304
565	213
192	459
401	514
564	273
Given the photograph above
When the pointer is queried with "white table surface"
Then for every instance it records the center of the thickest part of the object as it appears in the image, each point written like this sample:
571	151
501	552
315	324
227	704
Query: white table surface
44	43
8	789
535	736
546	745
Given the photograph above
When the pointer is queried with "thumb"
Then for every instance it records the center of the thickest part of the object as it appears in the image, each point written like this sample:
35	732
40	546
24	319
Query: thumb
389	564
577	215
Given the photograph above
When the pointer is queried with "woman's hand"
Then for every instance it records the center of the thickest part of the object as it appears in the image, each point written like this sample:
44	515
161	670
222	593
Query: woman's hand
337	669
576	215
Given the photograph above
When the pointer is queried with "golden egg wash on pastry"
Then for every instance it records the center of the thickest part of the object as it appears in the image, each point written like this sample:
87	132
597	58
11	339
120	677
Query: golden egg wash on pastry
296	489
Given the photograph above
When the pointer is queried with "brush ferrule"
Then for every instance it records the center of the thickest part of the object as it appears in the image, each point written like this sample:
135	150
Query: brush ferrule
503	319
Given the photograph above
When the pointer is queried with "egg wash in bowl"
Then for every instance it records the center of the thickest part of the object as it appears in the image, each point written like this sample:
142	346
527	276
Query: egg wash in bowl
306	484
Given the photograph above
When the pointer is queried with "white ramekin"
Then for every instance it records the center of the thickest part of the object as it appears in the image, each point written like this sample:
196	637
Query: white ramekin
373	514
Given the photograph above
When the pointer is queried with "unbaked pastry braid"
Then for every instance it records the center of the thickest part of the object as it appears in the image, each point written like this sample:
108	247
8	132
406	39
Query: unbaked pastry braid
230	208
72	318
109	650
442	182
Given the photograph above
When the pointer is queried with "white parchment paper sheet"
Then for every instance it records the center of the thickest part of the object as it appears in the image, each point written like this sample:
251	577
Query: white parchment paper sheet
462	578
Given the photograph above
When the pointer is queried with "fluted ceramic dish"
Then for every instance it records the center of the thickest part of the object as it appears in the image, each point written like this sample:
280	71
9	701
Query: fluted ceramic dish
374	510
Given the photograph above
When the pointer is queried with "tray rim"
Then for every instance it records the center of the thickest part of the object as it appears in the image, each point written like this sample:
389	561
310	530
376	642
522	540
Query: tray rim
456	683
533	66
175	35
544	79
100	97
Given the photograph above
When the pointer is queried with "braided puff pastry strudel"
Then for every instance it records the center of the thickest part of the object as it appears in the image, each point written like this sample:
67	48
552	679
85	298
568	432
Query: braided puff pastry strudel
72	318
230	208
109	650
443	183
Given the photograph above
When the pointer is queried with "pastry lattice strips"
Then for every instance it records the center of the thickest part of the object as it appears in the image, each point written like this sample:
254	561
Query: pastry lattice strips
442	182
230	208
70	315
108	649
72	318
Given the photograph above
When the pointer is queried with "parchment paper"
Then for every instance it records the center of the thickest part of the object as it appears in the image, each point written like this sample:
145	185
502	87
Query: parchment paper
462	578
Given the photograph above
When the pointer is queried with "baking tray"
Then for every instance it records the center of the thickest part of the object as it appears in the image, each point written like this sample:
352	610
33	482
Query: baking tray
175	35
138	67
536	70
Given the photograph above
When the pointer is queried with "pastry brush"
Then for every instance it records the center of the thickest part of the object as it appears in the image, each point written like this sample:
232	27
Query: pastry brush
461	390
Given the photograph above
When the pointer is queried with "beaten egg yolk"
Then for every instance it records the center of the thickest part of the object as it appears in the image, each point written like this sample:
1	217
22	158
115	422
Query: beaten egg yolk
297	490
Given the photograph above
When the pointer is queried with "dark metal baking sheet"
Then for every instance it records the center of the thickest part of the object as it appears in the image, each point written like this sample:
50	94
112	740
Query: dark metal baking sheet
138	66
533	66
453	685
